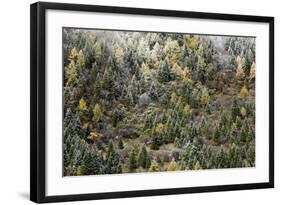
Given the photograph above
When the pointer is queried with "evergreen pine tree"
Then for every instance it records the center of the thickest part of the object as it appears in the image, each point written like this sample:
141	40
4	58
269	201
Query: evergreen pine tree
71	74
107	81
216	136
112	161
204	98
98	86
132	161
143	158
156	141
164	72
120	143
235	110
243	134
91	164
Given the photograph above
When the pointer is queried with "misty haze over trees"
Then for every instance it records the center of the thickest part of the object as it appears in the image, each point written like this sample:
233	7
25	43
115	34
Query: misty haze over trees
148	102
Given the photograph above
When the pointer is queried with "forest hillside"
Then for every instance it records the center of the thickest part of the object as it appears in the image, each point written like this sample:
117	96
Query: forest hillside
144	101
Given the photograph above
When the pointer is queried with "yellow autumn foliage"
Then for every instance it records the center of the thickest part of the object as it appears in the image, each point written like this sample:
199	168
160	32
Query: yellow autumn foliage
197	166
172	50
71	73
186	75
243	111
81	60
204	98
172	165
119	55
191	42
145	70
253	71
85	125
177	70
240	67
159	127
78	171
93	135
187	109
98	51
174	97
244	91
154	166
97	112
82	105
73	55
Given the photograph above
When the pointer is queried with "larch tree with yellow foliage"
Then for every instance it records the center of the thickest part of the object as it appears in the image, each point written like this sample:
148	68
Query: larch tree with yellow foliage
97	113
172	50
82	105
253	71
240	73
244	91
204	97
172	165
154	167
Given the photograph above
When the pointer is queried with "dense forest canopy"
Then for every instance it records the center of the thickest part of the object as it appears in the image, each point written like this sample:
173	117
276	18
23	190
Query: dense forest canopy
144	101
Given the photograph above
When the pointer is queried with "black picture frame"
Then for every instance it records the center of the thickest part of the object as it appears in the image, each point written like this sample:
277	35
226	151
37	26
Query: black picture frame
38	101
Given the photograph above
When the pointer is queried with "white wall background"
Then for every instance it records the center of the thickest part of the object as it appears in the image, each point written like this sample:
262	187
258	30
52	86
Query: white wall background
14	100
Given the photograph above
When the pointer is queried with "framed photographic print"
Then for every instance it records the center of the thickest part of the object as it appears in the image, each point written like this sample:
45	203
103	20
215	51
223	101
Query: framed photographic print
129	102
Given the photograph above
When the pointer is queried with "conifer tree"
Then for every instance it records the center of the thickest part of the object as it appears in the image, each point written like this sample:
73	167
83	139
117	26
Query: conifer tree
249	58
73	55
240	67
137	71
156	142
120	143
97	112
71	74
164	72
112	162
91	164
216	136
172	50
98	86
143	158
253	71
244	91
116	117
208	109
153	91
238	123
80	60
133	161
243	134
197	166
97	51
233	133
235	110
107	79
204	98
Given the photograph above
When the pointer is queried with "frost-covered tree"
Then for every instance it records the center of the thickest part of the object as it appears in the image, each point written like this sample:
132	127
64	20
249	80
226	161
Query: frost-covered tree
172	50
164	72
